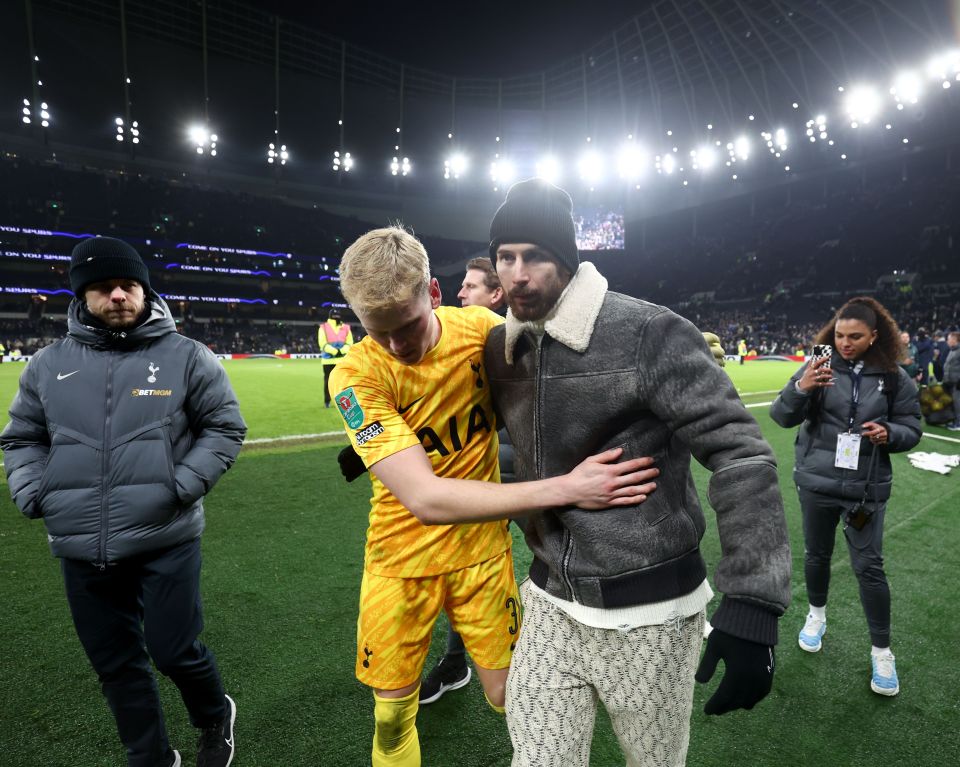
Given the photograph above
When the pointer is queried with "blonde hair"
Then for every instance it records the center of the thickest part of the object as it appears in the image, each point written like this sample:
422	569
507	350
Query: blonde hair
384	268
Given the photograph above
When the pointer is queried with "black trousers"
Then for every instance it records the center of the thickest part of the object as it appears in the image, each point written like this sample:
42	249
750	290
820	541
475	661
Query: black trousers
821	515
327	369
146	604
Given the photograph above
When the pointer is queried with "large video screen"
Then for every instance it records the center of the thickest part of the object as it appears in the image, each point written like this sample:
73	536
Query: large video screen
599	228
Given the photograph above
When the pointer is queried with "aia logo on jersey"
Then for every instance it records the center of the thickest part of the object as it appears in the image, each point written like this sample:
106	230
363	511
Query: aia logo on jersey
477	421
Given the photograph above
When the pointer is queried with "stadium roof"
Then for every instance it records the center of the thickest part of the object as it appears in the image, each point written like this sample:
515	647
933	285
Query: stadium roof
691	56
497	38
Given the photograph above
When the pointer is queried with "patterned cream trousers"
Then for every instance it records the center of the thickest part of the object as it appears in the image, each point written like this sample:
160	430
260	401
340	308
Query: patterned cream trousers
561	668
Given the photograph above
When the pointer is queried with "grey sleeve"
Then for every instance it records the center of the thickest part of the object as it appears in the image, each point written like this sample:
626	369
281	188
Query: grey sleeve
791	407
686	389
25	443
904	427
214	416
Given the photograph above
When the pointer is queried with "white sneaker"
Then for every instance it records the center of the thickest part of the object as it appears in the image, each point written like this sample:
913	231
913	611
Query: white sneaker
812	633
884	680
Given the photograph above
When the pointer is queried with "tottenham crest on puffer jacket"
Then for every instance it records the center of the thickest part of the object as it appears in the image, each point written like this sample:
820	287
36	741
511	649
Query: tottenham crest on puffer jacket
114	438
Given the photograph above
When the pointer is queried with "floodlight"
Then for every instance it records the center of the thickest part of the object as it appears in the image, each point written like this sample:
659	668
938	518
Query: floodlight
199	135
400	166
862	104
502	171
944	65
454	165
548	169
668	164
907	87
742	147
704	158
631	162
590	167
780	139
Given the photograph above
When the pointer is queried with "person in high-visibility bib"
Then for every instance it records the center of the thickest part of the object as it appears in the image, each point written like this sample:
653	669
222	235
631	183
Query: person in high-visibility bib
334	339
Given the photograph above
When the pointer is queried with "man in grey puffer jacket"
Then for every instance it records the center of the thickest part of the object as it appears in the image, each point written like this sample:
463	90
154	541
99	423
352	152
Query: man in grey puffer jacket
116	434
615	606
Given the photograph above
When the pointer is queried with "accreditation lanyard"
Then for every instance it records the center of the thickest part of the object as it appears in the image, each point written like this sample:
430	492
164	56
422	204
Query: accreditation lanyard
856	376
848	443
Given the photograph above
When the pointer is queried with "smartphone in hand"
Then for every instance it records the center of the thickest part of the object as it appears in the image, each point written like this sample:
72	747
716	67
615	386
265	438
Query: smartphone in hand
821	351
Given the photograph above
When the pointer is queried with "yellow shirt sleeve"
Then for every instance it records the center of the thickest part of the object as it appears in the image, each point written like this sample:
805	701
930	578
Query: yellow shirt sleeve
369	413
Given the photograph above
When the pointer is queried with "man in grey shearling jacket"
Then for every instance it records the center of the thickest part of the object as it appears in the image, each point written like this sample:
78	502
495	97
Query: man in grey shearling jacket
614	608
116	434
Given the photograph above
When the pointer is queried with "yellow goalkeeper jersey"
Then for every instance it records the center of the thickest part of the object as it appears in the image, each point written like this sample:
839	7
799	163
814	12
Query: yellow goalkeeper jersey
444	403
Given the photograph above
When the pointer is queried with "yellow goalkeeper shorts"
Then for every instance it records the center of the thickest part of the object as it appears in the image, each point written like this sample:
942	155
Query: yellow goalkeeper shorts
397	616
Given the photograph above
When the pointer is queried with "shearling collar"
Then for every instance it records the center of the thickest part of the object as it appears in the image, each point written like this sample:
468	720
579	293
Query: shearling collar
572	320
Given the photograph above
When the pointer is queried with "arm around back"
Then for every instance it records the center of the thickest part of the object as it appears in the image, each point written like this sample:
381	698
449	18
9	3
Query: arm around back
595	483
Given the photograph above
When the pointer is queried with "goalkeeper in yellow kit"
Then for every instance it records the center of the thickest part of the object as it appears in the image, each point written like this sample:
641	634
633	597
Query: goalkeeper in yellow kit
416	405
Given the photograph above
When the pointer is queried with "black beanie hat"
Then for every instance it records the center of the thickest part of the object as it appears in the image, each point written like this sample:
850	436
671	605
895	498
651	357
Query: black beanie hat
537	212
105	258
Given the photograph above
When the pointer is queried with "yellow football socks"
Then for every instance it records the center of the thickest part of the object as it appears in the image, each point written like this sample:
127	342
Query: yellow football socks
499	709
395	740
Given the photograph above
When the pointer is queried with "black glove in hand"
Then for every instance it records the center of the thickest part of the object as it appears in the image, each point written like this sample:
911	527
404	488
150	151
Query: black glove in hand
351	466
748	674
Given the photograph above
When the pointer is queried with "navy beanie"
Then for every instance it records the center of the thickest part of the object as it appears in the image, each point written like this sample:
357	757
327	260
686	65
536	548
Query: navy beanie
104	258
540	213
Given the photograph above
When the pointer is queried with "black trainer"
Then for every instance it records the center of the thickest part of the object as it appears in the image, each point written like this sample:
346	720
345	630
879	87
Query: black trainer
215	747
450	673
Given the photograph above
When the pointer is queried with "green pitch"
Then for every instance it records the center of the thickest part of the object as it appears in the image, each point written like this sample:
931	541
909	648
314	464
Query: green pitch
283	557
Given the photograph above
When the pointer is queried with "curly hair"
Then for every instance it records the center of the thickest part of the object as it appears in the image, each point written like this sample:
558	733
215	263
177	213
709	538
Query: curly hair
887	349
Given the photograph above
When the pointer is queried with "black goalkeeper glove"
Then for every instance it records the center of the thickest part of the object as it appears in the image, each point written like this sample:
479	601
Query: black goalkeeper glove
351	466
748	676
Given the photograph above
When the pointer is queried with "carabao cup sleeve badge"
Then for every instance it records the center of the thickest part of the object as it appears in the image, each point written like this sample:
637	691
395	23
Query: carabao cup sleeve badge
349	408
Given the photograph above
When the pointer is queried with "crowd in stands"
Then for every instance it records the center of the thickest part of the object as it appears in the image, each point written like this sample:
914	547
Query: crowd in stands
790	330
599	230
841	233
762	268
282	251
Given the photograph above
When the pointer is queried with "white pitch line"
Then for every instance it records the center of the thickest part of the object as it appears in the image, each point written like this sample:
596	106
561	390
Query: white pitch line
944	438
925	434
752	393
289	437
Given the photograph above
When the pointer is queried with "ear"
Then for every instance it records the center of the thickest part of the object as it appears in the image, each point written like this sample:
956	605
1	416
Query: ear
497	295
436	298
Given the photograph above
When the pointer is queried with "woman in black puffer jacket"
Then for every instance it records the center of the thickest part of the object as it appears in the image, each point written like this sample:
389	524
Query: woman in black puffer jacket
854	408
